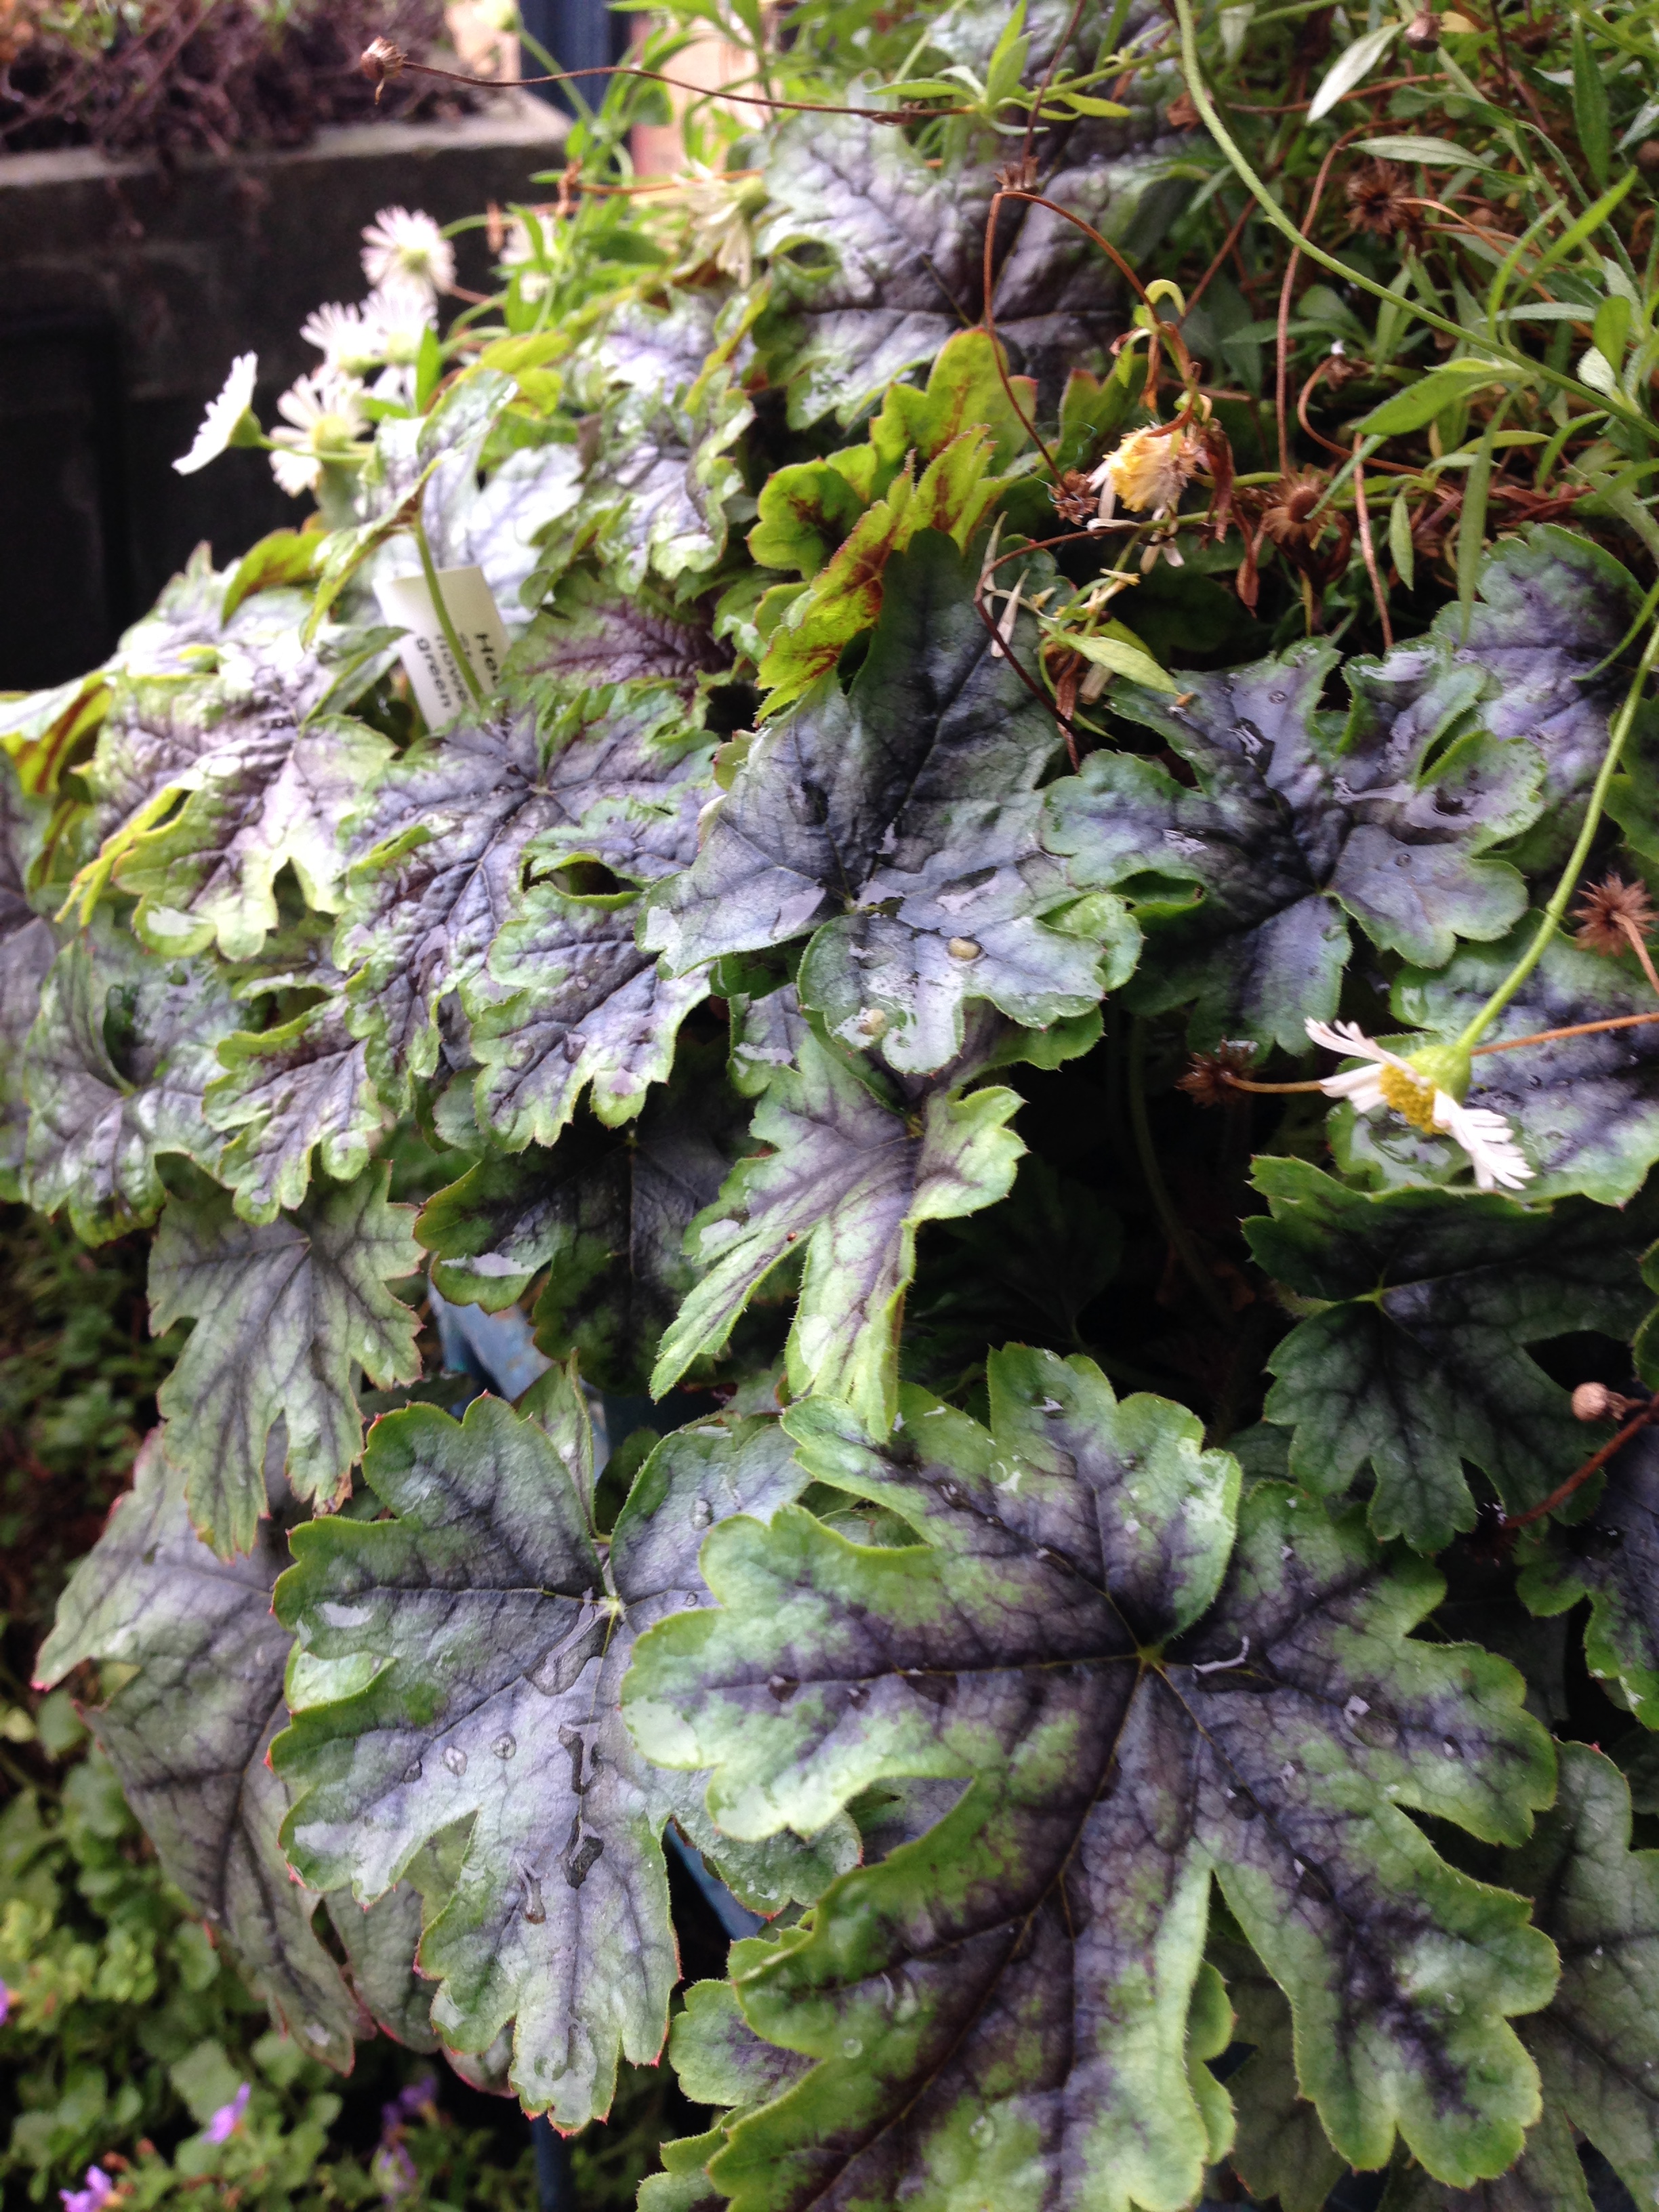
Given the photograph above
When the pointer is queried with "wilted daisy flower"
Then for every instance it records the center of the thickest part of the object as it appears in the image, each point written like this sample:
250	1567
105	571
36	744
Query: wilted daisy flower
719	229
402	246
324	415
1414	1089
223	414
1148	472
349	338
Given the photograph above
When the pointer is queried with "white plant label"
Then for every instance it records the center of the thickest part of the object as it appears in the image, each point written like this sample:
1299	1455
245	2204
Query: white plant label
439	687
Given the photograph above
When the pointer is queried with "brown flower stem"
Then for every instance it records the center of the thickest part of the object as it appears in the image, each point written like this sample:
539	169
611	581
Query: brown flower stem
1513	1044
1281	387
1037	199
1361	515
1302	397
899	115
1066	38
989	285
1578	1029
1639	946
1068	730
1593	1465
1244	1083
1227	245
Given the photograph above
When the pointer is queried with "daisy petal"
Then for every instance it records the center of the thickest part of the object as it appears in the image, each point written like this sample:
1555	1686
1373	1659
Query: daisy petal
1350	1041
1498	1160
1361	1087
222	416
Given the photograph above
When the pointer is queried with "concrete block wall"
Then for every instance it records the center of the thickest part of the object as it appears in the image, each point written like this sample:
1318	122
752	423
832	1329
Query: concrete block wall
126	291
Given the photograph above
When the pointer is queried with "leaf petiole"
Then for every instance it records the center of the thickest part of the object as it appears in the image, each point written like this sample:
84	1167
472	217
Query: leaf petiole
446	620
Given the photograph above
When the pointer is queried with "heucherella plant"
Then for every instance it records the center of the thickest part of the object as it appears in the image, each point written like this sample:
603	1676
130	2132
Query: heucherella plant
815	729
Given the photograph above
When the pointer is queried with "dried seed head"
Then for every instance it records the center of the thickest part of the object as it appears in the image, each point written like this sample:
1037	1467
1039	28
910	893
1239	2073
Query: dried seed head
1288	518
1606	909
381	61
1207	1083
1019	175
1073	500
1423	32
1379	200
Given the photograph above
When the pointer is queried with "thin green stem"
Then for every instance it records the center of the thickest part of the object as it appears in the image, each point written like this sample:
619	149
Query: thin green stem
1551	920
1164	1206
440	608
1603	402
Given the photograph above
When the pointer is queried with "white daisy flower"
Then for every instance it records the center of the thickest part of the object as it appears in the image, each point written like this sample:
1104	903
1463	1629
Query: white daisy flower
404	247
349	338
1410	1088
323	414
395	385
223	414
401	314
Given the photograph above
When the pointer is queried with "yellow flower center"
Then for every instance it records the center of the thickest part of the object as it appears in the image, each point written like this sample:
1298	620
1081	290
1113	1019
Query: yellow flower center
1410	1096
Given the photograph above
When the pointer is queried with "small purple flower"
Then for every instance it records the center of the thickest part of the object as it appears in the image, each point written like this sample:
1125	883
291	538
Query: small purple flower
96	2194
395	2173
223	2124
417	2096
5	2003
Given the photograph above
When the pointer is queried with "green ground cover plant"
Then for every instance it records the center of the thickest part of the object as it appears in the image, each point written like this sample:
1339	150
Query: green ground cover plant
1004	894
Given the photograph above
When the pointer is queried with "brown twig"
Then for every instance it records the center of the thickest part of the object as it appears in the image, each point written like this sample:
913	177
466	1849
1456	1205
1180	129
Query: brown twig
1024	552
1296	106
1244	1082
989	285
1639	946
1237	1081
1066	38
1578	1029
1285	291
390	61
1227	245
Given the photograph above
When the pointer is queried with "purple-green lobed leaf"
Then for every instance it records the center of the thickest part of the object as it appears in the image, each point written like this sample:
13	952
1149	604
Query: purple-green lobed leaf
1139	1703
